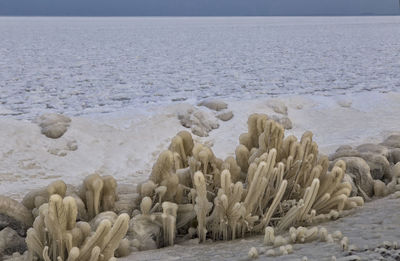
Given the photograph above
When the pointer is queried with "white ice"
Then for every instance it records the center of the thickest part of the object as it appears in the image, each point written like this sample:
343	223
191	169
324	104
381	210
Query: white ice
126	144
83	65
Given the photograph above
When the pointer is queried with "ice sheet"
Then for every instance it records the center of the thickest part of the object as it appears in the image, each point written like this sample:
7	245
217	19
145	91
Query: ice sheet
88	65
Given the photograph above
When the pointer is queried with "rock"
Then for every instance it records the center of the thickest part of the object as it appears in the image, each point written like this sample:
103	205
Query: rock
359	170
393	141
354	189
284	121
225	115
213	104
12	223
380	189
344	151
11	242
395	195
126	203
53	125
396	170
374	149
143	233
394	155
343	148
15	215
278	106
253	253
201	122
107	215
374	155
379	166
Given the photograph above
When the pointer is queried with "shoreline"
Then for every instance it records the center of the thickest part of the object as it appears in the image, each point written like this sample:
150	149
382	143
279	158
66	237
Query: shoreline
126	144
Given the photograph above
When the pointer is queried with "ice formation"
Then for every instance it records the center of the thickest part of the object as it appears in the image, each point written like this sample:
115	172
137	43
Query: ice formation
273	184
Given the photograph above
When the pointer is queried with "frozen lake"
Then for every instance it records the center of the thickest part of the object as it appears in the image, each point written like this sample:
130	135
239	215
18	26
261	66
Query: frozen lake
90	65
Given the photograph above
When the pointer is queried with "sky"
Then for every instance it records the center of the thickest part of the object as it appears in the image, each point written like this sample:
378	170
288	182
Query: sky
196	7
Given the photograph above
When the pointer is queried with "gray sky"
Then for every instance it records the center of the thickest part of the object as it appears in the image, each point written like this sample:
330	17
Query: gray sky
196	7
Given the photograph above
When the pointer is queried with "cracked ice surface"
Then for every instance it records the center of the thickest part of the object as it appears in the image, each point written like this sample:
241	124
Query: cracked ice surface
84	65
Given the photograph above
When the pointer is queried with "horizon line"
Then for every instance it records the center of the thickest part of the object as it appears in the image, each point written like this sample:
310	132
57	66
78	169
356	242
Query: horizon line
310	15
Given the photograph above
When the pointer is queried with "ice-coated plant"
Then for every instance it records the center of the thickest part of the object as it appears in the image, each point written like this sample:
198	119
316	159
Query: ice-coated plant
169	222
99	194
56	234
274	181
202	206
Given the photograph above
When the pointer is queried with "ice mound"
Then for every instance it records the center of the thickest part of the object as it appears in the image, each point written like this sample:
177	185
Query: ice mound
284	121
213	104
203	120
53	125
278	106
225	115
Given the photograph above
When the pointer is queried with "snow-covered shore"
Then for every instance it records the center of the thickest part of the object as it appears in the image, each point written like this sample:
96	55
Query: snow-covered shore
126	144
